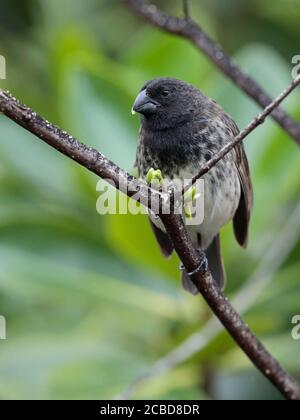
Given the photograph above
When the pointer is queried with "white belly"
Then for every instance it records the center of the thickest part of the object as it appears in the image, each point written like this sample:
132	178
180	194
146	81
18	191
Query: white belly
221	199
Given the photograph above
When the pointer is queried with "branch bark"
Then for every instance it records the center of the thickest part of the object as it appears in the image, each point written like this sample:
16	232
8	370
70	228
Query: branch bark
225	312
190	30
192	260
275	256
86	156
277	253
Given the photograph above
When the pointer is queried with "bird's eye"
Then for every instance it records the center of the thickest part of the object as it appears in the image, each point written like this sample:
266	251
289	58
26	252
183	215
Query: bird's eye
165	93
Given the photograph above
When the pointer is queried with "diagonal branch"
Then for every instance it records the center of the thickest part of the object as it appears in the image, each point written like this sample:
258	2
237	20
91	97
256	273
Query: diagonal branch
276	254
225	312
258	120
190	257
190	30
86	156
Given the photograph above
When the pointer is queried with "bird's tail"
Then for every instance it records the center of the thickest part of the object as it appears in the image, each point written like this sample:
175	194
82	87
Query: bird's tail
215	264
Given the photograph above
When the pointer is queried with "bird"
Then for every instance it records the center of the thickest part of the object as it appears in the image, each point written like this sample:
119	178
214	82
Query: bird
181	129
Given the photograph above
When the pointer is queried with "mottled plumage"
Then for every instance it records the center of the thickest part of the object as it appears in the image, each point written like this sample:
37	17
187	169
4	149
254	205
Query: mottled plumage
181	129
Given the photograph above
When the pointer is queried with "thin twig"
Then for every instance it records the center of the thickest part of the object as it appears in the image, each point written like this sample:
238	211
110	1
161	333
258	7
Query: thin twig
258	120
192	260
186	9
191	31
277	253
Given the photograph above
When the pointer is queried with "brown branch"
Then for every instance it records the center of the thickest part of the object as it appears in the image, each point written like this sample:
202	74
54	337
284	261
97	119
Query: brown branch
100	165
86	156
275	256
225	312
193	32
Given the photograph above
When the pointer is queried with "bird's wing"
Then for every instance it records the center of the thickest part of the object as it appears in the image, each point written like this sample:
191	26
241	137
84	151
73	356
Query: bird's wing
163	240
242	216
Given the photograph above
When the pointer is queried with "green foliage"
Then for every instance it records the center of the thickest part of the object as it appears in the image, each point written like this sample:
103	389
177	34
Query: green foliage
89	301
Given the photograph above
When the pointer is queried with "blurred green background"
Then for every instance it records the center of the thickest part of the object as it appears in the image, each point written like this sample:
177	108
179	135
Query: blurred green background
90	303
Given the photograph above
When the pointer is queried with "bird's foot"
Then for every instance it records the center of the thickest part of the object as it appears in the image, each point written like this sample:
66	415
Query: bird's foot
203	266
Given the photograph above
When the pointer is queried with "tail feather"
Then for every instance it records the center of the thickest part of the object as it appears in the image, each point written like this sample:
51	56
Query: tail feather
187	283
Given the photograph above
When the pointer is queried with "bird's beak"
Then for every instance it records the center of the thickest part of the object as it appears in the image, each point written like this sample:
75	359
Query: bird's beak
144	104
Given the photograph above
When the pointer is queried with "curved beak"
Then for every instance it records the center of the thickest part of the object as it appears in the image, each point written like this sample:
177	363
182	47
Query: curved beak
144	104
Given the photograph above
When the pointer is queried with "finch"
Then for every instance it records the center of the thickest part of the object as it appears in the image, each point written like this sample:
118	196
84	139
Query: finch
181	129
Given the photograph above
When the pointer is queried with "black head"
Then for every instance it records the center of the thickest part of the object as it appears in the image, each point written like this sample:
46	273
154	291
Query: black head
167	103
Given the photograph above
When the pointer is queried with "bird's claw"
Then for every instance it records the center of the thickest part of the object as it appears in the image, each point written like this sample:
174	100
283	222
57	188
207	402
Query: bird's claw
203	266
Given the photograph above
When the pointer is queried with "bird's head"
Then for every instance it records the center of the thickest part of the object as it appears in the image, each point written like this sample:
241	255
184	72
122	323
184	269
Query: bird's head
167	103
